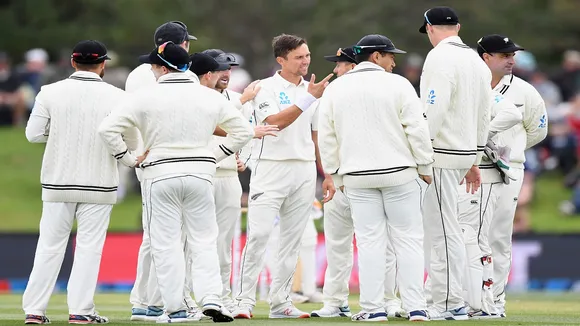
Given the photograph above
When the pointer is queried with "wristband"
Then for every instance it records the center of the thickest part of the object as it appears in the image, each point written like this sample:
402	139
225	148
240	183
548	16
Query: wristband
305	101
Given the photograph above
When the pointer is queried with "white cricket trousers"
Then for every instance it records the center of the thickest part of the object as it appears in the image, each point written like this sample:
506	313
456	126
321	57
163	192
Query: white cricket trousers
286	188
170	202
145	290
308	258
55	227
502	226
227	192
475	215
375	211
338	236
444	247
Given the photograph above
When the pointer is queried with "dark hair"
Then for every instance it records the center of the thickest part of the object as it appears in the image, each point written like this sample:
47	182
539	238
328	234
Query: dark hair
87	66
284	43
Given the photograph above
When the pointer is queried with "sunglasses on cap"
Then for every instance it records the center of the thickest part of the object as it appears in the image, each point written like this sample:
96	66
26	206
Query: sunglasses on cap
85	56
161	55
226	58
340	52
359	48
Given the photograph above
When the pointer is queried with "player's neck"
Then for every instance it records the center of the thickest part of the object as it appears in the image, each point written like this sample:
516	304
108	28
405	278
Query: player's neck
294	79
495	79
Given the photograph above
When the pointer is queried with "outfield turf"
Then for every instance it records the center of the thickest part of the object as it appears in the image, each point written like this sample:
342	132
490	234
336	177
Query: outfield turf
20	204
530	309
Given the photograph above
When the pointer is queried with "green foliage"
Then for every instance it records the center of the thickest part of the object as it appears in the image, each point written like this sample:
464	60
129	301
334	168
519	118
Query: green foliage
545	27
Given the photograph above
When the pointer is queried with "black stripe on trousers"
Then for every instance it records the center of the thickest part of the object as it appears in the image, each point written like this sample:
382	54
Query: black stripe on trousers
439	200
482	211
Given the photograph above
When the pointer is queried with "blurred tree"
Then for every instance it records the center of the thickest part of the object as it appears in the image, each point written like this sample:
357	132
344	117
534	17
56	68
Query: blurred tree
544	27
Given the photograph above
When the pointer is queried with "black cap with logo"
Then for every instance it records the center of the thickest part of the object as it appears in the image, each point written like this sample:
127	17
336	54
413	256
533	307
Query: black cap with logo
496	43
375	42
342	55
202	63
174	31
222	57
439	16
169	55
90	52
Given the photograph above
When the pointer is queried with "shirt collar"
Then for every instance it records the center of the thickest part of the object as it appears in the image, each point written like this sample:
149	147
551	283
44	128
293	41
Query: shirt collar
286	83
450	39
176	77
85	75
504	81
367	65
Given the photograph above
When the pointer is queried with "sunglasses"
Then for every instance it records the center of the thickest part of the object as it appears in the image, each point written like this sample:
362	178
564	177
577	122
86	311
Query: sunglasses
93	56
427	18
226	58
161	55
481	46
359	48
340	52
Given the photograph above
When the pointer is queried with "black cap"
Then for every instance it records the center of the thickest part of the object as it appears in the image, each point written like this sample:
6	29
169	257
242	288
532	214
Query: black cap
202	63
342	55
439	16
89	52
174	31
496	43
222	57
375	42
169	55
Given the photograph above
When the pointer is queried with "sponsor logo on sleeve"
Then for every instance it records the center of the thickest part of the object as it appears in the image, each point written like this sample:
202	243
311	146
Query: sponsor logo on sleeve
543	122
431	97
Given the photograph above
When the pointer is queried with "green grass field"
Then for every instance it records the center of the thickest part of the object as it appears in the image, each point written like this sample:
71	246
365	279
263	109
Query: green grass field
531	309
20	204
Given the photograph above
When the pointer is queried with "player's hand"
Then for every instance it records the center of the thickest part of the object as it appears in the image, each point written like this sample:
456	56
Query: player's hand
141	158
317	89
267	130
328	189
241	165
472	180
250	92
427	178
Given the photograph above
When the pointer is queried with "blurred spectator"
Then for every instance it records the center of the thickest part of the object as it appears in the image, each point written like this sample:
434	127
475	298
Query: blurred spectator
114	74
525	65
568	78
33	75
239	78
547	89
62	68
12	107
413	70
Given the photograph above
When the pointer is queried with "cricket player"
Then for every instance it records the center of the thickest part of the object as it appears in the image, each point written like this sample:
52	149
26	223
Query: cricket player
145	296
213	68
178	173
476	212
338	237
383	154
457	97
498	51
284	177
79	181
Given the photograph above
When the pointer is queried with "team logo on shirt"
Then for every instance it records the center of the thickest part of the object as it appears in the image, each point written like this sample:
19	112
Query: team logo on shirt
498	98
543	122
263	106
284	98
431	97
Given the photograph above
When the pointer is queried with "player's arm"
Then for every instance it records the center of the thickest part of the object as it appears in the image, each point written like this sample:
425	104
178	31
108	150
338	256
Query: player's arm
483	120
266	108
505	115
112	128
239	131
535	120
436	88
417	130
327	139
38	126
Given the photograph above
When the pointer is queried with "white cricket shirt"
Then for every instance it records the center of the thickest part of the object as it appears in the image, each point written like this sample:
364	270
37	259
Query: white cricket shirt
295	141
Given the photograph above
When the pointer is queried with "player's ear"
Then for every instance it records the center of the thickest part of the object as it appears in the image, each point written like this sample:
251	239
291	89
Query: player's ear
73	64
279	60
458	27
